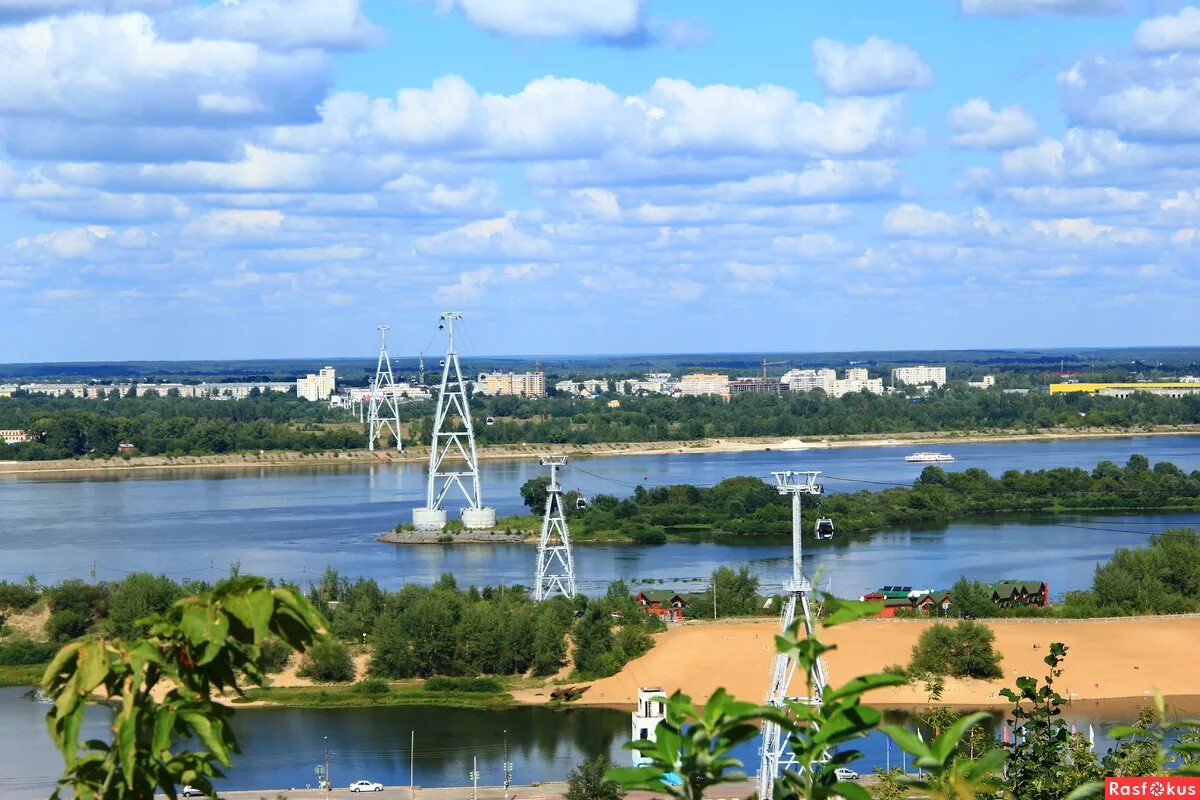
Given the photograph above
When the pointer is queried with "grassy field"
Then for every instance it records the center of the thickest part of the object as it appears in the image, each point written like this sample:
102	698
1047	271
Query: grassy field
400	693
22	675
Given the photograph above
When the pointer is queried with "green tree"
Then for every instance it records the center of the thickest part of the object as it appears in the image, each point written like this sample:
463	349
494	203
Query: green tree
962	650
327	661
533	493
203	646
587	781
139	595
972	598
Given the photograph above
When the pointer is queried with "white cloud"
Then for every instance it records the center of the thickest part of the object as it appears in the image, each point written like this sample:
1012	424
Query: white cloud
978	125
1147	99
546	18
1041	161
468	288
1013	8
567	118
1170	32
496	239
281	24
90	67
912	221
873	67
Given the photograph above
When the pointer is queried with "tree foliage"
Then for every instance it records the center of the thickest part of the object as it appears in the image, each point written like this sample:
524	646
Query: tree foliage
962	650
204	645
587	781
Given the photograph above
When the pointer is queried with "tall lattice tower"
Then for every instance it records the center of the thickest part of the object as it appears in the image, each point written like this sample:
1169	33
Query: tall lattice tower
776	756
453	463
385	407
555	566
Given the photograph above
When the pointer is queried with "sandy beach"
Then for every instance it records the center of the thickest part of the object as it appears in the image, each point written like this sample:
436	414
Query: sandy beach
292	460
1107	660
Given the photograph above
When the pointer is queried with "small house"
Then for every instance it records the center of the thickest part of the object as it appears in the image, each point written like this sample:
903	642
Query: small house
665	604
1009	593
126	448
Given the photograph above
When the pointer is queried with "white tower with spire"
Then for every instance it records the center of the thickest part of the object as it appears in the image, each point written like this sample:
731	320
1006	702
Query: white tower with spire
385	407
555	566
775	755
453	463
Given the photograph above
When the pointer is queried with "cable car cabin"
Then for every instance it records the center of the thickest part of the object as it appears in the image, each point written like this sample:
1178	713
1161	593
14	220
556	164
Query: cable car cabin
824	529
580	503
490	421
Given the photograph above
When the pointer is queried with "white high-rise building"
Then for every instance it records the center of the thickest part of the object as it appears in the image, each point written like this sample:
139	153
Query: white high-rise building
704	383
856	380
317	387
918	376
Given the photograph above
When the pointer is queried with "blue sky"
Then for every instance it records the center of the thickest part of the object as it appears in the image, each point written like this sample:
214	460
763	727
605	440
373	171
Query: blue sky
269	178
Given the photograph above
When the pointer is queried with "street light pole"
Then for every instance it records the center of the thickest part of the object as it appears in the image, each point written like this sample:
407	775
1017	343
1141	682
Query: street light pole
328	780
507	767
475	778
412	742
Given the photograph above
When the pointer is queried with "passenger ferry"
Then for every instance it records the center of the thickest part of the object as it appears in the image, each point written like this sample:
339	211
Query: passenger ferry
927	457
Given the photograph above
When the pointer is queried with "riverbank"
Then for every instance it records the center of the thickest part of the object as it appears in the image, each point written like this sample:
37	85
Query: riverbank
284	460
1110	659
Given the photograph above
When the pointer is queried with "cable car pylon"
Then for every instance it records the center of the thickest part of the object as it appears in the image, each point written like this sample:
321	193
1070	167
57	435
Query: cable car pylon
555	573
776	757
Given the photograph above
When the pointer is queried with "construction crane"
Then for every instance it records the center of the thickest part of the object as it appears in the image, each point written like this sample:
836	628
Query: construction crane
766	364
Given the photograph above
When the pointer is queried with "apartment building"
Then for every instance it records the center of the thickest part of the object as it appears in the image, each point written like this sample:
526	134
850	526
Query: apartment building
316	387
919	376
704	383
521	384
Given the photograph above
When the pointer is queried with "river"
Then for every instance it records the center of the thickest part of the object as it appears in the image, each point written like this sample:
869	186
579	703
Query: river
291	523
280	747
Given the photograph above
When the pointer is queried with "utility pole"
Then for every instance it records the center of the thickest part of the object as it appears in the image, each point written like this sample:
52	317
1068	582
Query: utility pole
714	598
475	778
328	780
507	767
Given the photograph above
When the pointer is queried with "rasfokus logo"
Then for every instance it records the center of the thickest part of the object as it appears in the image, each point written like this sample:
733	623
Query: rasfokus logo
1152	788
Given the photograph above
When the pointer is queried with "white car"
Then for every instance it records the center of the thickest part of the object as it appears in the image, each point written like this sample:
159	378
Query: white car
189	791
366	786
844	774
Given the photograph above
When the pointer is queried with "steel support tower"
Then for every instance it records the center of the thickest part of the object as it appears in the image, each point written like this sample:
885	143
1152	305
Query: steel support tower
555	566
453	441
776	756
385	407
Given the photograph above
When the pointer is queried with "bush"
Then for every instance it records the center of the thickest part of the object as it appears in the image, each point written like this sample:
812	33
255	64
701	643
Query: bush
371	686
963	650
327	661
75	607
476	685
140	595
17	596
275	654
24	652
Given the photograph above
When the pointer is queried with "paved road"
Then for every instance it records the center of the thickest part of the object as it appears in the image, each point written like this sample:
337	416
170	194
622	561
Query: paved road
551	790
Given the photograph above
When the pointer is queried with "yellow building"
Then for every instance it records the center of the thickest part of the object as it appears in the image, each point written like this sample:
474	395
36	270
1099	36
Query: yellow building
1171	389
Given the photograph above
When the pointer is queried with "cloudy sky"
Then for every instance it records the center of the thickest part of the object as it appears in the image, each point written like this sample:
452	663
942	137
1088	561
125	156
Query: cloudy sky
262	178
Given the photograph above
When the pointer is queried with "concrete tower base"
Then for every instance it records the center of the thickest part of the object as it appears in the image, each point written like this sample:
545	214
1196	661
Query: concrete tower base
429	519
479	519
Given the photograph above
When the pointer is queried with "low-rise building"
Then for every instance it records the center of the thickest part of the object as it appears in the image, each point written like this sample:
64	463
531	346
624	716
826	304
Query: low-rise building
667	605
1008	593
988	382
14	435
1166	389
919	375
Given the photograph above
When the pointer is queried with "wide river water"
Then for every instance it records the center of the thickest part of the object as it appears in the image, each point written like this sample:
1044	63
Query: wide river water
292	523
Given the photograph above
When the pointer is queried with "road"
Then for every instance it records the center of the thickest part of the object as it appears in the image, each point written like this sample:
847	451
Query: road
551	790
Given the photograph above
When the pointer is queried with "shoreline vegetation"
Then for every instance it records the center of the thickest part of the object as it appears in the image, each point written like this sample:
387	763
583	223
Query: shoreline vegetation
746	508
285	459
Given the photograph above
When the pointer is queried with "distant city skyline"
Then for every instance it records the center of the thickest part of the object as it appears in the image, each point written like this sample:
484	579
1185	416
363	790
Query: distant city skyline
274	178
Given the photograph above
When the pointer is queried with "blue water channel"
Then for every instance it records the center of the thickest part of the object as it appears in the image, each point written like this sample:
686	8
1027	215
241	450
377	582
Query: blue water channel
292	523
